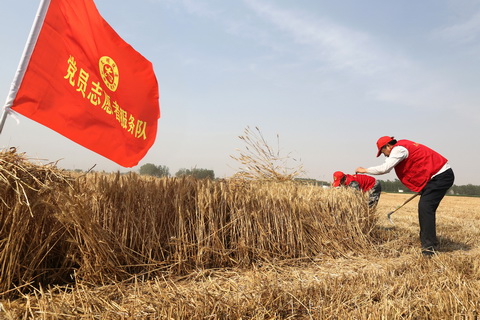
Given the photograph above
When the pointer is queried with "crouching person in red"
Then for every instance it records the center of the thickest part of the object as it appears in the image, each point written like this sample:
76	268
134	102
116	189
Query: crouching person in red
359	182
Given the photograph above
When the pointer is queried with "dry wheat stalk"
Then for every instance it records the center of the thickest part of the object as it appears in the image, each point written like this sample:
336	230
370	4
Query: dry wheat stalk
261	161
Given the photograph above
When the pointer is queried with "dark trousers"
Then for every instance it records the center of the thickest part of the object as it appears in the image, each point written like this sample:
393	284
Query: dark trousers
430	198
375	194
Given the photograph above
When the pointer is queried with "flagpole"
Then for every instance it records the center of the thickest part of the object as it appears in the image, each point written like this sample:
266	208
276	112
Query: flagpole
25	59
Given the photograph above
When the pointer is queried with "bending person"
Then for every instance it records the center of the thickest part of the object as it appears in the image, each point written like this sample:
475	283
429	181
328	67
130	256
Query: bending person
421	170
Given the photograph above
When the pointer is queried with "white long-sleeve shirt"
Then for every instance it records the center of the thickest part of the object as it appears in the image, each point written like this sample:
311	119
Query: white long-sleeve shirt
397	154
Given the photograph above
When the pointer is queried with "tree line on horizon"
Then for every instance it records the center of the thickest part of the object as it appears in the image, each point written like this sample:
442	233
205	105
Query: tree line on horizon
395	186
160	171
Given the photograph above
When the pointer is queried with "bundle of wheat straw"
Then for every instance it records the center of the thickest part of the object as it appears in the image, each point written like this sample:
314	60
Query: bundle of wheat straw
187	223
31	240
110	227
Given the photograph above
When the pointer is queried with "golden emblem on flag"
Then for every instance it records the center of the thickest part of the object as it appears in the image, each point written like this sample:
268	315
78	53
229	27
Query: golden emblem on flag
109	72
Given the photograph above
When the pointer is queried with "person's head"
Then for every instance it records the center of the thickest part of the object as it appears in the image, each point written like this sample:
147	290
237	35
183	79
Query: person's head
385	145
338	178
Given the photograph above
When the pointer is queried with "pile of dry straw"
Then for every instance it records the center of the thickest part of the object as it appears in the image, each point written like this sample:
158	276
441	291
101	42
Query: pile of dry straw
57	228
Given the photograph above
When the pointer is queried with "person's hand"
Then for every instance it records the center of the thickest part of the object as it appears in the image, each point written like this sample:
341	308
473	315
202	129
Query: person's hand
360	170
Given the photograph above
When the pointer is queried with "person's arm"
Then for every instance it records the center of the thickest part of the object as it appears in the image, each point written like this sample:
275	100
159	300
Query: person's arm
398	154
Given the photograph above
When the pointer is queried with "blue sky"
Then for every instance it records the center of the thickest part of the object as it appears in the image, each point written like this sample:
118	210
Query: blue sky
329	77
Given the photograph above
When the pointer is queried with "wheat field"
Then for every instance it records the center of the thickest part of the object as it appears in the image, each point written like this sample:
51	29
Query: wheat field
111	246
392	280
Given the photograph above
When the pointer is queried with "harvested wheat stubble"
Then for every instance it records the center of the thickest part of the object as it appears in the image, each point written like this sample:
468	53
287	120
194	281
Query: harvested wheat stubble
408	287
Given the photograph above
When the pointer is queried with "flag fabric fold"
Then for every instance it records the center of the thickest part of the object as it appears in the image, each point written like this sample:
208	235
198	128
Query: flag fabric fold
85	82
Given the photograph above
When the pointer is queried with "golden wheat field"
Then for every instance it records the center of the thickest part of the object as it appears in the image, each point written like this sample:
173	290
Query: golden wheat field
111	246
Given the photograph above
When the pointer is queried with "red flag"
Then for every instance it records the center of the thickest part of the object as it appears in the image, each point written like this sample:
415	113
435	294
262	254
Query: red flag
89	85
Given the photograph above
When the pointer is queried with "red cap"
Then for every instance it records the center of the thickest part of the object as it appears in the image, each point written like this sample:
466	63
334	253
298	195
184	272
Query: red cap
337	176
382	142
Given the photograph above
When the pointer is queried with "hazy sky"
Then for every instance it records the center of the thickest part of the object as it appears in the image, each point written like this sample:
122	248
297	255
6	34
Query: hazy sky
329	77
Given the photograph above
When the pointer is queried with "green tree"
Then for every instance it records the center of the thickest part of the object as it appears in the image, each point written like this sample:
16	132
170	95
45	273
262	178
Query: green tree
150	169
467	190
182	172
393	186
197	173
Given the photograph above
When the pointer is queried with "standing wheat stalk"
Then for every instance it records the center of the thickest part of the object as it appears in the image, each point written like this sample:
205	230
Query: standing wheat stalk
260	161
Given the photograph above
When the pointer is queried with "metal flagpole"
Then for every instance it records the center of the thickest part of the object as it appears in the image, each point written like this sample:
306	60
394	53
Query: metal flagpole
27	53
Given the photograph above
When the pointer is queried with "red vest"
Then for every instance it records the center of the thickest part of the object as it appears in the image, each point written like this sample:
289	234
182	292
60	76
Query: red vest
418	168
365	182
